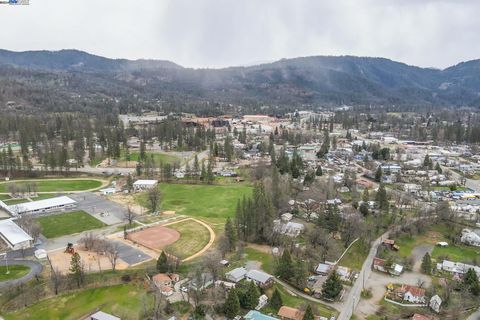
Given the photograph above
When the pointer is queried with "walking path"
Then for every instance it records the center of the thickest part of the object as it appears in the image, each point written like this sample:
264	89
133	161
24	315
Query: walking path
35	269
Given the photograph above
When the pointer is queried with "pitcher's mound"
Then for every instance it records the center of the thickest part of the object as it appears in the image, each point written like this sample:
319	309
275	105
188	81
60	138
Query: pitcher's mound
155	238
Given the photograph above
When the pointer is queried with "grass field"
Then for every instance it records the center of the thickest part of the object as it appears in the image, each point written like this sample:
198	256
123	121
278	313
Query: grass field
68	223
157	157
457	253
296	302
267	261
193	237
57	185
16	271
355	256
200	200
11	202
124	301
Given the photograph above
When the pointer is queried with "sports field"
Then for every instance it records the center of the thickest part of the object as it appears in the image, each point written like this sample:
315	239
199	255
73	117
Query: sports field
124	301
68	223
155	238
193	237
207	201
56	185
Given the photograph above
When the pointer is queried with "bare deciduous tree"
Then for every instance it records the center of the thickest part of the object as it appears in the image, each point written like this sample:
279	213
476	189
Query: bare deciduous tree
153	198
129	216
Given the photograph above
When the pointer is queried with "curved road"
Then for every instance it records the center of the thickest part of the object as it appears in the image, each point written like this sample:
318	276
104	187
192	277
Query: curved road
35	269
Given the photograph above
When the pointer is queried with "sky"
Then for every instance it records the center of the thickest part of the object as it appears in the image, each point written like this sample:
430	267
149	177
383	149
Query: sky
219	33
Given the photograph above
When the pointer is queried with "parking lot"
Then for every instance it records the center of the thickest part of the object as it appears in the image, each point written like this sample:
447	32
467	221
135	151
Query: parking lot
104	210
130	254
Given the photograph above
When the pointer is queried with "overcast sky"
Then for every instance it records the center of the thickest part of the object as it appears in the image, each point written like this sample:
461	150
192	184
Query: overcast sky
217	33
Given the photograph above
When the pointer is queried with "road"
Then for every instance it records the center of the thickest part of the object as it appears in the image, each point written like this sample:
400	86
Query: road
35	269
354	295
469	183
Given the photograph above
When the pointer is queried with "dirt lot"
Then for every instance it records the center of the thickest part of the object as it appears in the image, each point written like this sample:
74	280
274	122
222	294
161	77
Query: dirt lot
93	262
155	238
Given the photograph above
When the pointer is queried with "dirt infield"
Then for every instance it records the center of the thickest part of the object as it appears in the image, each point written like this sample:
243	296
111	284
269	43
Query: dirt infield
155	238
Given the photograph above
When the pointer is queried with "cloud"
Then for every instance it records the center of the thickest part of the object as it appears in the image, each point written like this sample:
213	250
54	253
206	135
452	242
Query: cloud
208	33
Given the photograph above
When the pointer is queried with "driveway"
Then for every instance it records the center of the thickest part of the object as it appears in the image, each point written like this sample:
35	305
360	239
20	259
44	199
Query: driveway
104	210
417	254
378	282
35	269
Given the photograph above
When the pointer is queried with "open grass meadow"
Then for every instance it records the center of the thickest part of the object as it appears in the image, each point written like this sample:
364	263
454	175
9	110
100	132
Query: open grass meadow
206	201
56	185
355	256
15	272
124	301
295	301
157	157
58	225
193	237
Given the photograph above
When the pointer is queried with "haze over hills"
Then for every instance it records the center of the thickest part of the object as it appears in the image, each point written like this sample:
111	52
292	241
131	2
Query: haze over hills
55	80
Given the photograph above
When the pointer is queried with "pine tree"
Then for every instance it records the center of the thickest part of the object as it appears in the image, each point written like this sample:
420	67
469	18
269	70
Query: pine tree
308	314
232	305
381	198
285	266
378	174
276	190
365	195
231	235
470	280
76	269
319	171
162	263
250	299
276	300
438	168
426	264
332	287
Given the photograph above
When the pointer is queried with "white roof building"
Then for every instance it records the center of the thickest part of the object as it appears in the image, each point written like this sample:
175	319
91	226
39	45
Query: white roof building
144	184
14	236
100	315
40	206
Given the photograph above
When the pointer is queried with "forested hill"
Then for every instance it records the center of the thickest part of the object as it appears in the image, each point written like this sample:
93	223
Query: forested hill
75	80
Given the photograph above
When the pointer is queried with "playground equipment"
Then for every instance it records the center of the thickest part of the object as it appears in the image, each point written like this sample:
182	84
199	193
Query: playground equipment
70	248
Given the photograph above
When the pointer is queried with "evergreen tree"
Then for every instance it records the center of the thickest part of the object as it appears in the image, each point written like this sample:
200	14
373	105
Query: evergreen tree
365	195
426	264
276	300
319	171
364	209
76	269
470	280
308	314
378	174
250	298
381	198
162	263
231	235
332	287
438	168
231	307
285	266
276	190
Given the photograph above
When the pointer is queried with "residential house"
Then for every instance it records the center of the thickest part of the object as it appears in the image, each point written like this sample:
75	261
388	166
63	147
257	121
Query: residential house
100	315
288	313
471	237
165	282
261	278
236	274
379	264
411	294
323	269
457	268
262	302
291	229
344	273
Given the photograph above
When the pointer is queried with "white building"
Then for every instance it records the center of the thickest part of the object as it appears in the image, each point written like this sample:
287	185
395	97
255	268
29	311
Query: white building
144	184
471	237
42	206
100	315
14	236
236	274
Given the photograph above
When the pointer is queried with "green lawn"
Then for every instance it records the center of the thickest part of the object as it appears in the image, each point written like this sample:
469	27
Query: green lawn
124	301
157	157
15	272
295	302
68	223
193	237
267	261
209	201
11	202
44	196
457	253
355	256
57	185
